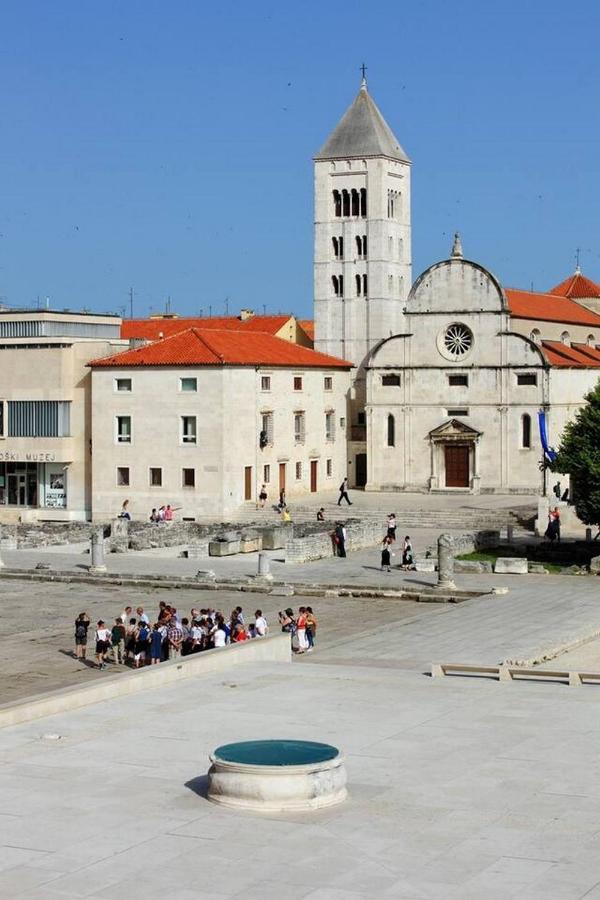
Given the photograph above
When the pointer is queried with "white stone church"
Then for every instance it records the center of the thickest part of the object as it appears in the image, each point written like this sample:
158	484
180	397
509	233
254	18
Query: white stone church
451	371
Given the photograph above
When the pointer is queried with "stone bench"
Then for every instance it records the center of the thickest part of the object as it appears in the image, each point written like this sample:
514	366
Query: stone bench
511	565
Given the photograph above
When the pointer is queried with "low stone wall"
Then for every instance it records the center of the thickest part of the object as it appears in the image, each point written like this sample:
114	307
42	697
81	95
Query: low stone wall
44	534
318	544
271	649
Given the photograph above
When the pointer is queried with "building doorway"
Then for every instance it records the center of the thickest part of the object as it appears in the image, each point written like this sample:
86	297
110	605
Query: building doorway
281	477
360	470
456	457
314	464
247	482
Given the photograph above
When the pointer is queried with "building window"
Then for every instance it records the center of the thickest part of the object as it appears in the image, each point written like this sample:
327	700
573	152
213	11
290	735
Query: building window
298	471
188	478
123	429
342	422
361	246
363	203
337	204
39	418
358	280
267	474
188	429
265	383
457	412
337	282
188	385
299	427
365	286
566	338
527	378
338	247
526	431
1	418
266	422
297	383
122	476
330	426
391	431
458	340
361	418
328	383
346	204
329	468
591	340
123	385
393	206
390	380
536	336
155	477
355	202
458	380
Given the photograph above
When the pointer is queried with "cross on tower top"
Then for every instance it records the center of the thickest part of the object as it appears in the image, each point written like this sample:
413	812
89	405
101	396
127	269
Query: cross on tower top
363	70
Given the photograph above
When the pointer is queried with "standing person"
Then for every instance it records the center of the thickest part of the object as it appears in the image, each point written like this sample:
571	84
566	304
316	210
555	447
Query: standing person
175	638
386	554
168	513
219	635
321	514
142	637
281	505
340	539
288	623
142	616
407	554
102	643
391	526
301	641
311	628
82	623
262	497
261	628
156	640
154	515
125	514
344	492
117	639
285	514
555	522
130	639
126	615
161	514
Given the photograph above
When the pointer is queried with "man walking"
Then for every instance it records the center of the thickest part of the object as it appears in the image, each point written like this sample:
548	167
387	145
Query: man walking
344	492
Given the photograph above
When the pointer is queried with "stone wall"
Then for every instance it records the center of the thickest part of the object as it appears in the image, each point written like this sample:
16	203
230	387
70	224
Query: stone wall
311	543
45	534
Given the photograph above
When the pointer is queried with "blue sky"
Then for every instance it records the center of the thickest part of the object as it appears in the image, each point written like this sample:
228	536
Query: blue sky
168	146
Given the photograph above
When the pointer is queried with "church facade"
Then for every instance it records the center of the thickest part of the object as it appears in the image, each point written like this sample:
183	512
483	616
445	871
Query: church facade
452	371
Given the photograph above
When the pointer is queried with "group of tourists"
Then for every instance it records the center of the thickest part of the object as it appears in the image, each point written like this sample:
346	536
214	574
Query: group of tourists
389	542
133	640
162	514
302	628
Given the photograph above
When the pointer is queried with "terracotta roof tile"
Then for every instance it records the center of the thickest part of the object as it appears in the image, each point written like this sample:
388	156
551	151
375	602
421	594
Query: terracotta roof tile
549	308
577	287
153	329
308	326
578	356
196	347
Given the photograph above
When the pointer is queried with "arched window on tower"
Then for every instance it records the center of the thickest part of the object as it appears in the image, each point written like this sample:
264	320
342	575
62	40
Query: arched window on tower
338	247
591	340
391	431
337	203
355	202
345	204
365	286
536	336
359	246
526	431
363	202
335	283
364	242
358	285
566	338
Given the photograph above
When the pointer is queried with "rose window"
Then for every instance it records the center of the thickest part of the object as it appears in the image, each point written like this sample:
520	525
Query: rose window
458	340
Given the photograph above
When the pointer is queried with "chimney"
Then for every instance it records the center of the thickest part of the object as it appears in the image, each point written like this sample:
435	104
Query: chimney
246	314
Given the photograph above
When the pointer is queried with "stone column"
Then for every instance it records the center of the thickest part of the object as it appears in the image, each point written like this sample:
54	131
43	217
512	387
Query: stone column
264	567
97	551
509	534
445	563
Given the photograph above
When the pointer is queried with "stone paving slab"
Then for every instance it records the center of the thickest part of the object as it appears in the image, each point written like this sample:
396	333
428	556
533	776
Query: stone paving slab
457	790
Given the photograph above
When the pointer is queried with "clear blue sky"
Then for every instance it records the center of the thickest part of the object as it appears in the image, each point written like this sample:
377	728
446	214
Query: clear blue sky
167	145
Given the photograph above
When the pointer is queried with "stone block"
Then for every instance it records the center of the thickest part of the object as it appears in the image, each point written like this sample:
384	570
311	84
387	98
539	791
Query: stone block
275	537
466	566
537	569
595	565
206	575
223	548
425	564
195	551
511	565
283	590
251	544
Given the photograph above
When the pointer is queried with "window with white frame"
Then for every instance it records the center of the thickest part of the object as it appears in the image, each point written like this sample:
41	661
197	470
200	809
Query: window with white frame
155	476
123	385
265	383
188	429
329	425
267	474
188	385
123	429
328	383
299	427
297	382
188	478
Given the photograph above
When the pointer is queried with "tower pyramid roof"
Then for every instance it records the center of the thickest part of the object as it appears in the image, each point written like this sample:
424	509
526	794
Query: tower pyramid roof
362	131
577	287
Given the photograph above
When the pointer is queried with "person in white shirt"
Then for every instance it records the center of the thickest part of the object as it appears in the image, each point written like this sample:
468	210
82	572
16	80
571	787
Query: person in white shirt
142	616
219	637
260	624
102	644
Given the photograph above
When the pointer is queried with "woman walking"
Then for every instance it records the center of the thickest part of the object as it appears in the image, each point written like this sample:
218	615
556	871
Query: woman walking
386	554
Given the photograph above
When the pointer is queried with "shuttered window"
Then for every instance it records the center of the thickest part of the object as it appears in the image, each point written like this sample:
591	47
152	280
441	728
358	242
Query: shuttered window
39	418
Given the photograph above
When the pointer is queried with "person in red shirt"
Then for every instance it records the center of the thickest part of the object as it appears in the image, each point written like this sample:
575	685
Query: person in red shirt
301	630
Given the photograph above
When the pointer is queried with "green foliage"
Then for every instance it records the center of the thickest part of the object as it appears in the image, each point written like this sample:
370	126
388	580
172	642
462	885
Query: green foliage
579	455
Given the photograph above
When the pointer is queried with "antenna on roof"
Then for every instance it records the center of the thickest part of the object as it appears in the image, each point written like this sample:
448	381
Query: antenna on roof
531	287
226	306
201	312
210	309
264	309
131	302
168	305
577	266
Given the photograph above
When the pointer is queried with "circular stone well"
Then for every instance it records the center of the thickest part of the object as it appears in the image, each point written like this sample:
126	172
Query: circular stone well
277	775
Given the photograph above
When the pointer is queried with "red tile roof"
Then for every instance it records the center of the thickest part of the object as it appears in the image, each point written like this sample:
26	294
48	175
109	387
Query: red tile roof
196	347
308	326
153	329
578	356
549	308
577	287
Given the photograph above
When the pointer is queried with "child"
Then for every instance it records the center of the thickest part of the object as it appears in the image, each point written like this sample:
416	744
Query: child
385	554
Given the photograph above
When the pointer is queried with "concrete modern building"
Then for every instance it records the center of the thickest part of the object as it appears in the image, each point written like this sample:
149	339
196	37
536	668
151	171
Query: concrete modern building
203	418
45	404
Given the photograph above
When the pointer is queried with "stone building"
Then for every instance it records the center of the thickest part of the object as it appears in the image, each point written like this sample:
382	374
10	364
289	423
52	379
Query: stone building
451	372
202	418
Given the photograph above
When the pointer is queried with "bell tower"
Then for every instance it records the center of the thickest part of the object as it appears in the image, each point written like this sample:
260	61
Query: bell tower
362	254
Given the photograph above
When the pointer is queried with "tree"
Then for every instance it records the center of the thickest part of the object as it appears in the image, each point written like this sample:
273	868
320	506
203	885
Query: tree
579	455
